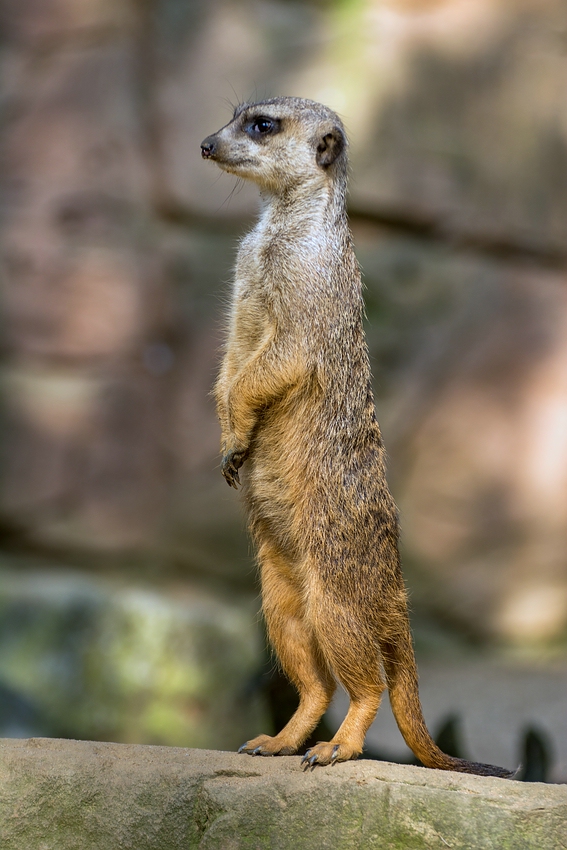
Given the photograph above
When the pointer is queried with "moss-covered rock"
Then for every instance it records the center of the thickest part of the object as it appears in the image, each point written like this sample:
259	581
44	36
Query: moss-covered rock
137	664
58	795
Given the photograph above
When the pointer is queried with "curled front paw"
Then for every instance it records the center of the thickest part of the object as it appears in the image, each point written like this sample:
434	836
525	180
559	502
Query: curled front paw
230	464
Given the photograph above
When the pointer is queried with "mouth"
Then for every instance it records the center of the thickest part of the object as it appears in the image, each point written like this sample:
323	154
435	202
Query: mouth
231	164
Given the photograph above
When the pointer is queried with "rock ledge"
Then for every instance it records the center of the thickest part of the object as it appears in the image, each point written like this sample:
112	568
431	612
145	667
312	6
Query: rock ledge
58	795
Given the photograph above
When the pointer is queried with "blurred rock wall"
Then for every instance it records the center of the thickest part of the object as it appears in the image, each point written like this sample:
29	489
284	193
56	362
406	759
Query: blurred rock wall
103	659
118	243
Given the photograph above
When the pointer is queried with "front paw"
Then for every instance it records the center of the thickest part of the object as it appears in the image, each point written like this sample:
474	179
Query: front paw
230	464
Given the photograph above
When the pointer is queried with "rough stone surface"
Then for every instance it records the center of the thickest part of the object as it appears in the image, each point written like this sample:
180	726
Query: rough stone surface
57	795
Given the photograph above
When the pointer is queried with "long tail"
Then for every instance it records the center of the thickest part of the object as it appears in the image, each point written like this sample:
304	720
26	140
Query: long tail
401	675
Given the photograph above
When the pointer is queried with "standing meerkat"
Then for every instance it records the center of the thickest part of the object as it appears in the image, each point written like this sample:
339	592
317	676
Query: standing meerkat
295	403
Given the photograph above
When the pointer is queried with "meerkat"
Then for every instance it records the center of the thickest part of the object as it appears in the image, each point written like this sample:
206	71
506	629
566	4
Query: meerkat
295	403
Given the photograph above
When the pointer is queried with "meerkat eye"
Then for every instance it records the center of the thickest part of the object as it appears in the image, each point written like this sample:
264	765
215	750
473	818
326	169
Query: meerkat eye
262	126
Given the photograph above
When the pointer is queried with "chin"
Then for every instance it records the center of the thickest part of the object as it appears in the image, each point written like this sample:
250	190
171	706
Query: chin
241	168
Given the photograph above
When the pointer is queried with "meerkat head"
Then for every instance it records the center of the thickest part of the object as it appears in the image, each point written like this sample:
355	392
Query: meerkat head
281	143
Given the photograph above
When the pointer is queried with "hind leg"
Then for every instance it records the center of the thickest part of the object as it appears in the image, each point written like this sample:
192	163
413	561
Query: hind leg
354	658
297	650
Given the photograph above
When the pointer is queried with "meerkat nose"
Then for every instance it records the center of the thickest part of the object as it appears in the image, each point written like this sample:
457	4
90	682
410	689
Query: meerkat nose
207	147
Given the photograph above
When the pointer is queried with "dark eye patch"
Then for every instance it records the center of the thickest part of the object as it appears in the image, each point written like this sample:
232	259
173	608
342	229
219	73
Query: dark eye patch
260	126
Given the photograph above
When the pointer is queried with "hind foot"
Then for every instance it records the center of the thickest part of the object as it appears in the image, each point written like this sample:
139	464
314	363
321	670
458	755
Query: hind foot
264	745
329	753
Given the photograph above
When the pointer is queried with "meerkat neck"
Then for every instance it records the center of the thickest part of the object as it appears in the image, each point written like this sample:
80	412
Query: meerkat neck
308	202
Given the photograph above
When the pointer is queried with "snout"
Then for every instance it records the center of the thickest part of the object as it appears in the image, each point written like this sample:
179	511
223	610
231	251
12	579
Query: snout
209	147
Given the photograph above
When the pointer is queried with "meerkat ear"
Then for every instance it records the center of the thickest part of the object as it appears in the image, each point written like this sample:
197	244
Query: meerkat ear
330	146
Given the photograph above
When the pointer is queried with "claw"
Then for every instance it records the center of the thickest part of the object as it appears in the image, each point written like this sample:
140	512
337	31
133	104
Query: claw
313	759
335	753
232	478
305	757
257	751
242	749
230	464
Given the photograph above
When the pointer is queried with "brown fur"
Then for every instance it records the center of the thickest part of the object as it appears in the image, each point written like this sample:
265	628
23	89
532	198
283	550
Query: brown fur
295	403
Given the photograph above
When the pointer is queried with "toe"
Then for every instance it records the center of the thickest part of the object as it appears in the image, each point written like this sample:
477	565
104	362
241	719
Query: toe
328	753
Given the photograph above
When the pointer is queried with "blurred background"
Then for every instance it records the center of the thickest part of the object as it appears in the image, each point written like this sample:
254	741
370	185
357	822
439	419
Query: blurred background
128	596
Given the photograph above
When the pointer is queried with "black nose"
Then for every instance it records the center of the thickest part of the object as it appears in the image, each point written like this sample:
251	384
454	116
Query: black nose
208	147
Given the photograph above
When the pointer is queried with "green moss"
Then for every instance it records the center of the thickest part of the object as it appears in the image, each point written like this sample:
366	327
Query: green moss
102	662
